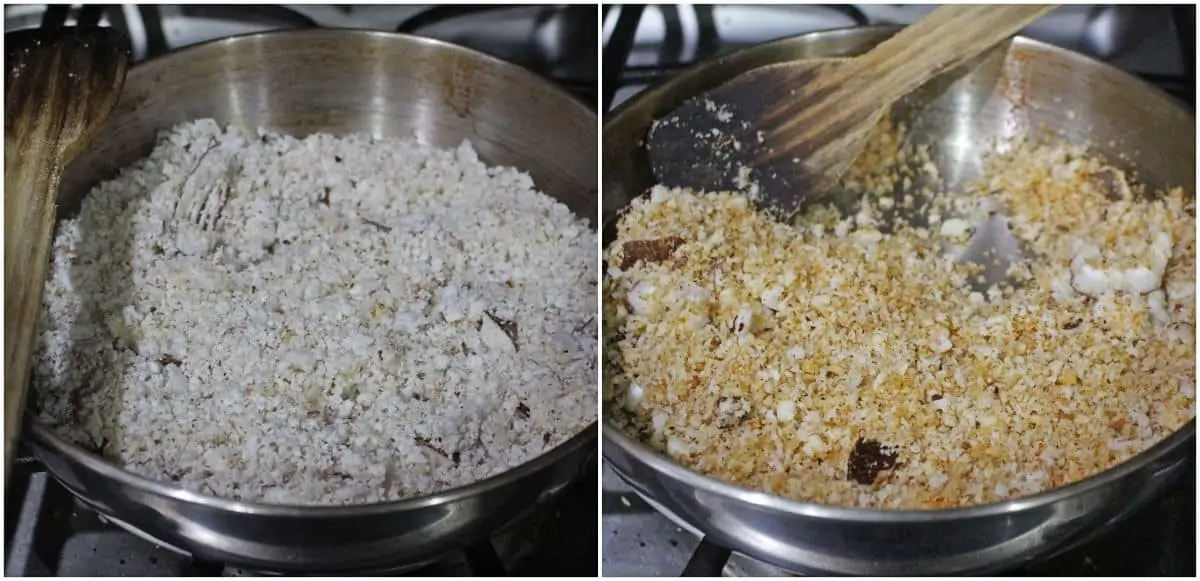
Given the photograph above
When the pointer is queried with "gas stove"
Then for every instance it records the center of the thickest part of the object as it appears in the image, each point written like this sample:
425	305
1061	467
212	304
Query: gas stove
558	42
645	45
47	532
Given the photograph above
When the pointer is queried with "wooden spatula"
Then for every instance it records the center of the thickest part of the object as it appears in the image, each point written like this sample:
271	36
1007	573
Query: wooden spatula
793	129
60	86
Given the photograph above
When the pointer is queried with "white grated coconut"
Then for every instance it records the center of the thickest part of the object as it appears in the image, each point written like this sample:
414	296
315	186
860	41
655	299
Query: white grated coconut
318	321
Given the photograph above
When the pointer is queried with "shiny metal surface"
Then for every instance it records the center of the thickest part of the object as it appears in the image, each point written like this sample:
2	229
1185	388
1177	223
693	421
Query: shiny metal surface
337	81
1028	88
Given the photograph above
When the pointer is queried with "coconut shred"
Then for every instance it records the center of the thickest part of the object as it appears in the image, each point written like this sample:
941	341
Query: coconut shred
318	321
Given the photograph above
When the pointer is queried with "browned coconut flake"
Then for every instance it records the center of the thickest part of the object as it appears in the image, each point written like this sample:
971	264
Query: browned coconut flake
830	361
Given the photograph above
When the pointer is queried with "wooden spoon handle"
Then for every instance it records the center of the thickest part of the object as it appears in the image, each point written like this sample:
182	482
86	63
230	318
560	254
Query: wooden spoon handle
60	86
29	186
945	38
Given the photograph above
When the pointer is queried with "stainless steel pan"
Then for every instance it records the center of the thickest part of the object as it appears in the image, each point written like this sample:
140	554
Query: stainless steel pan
338	82
1011	93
